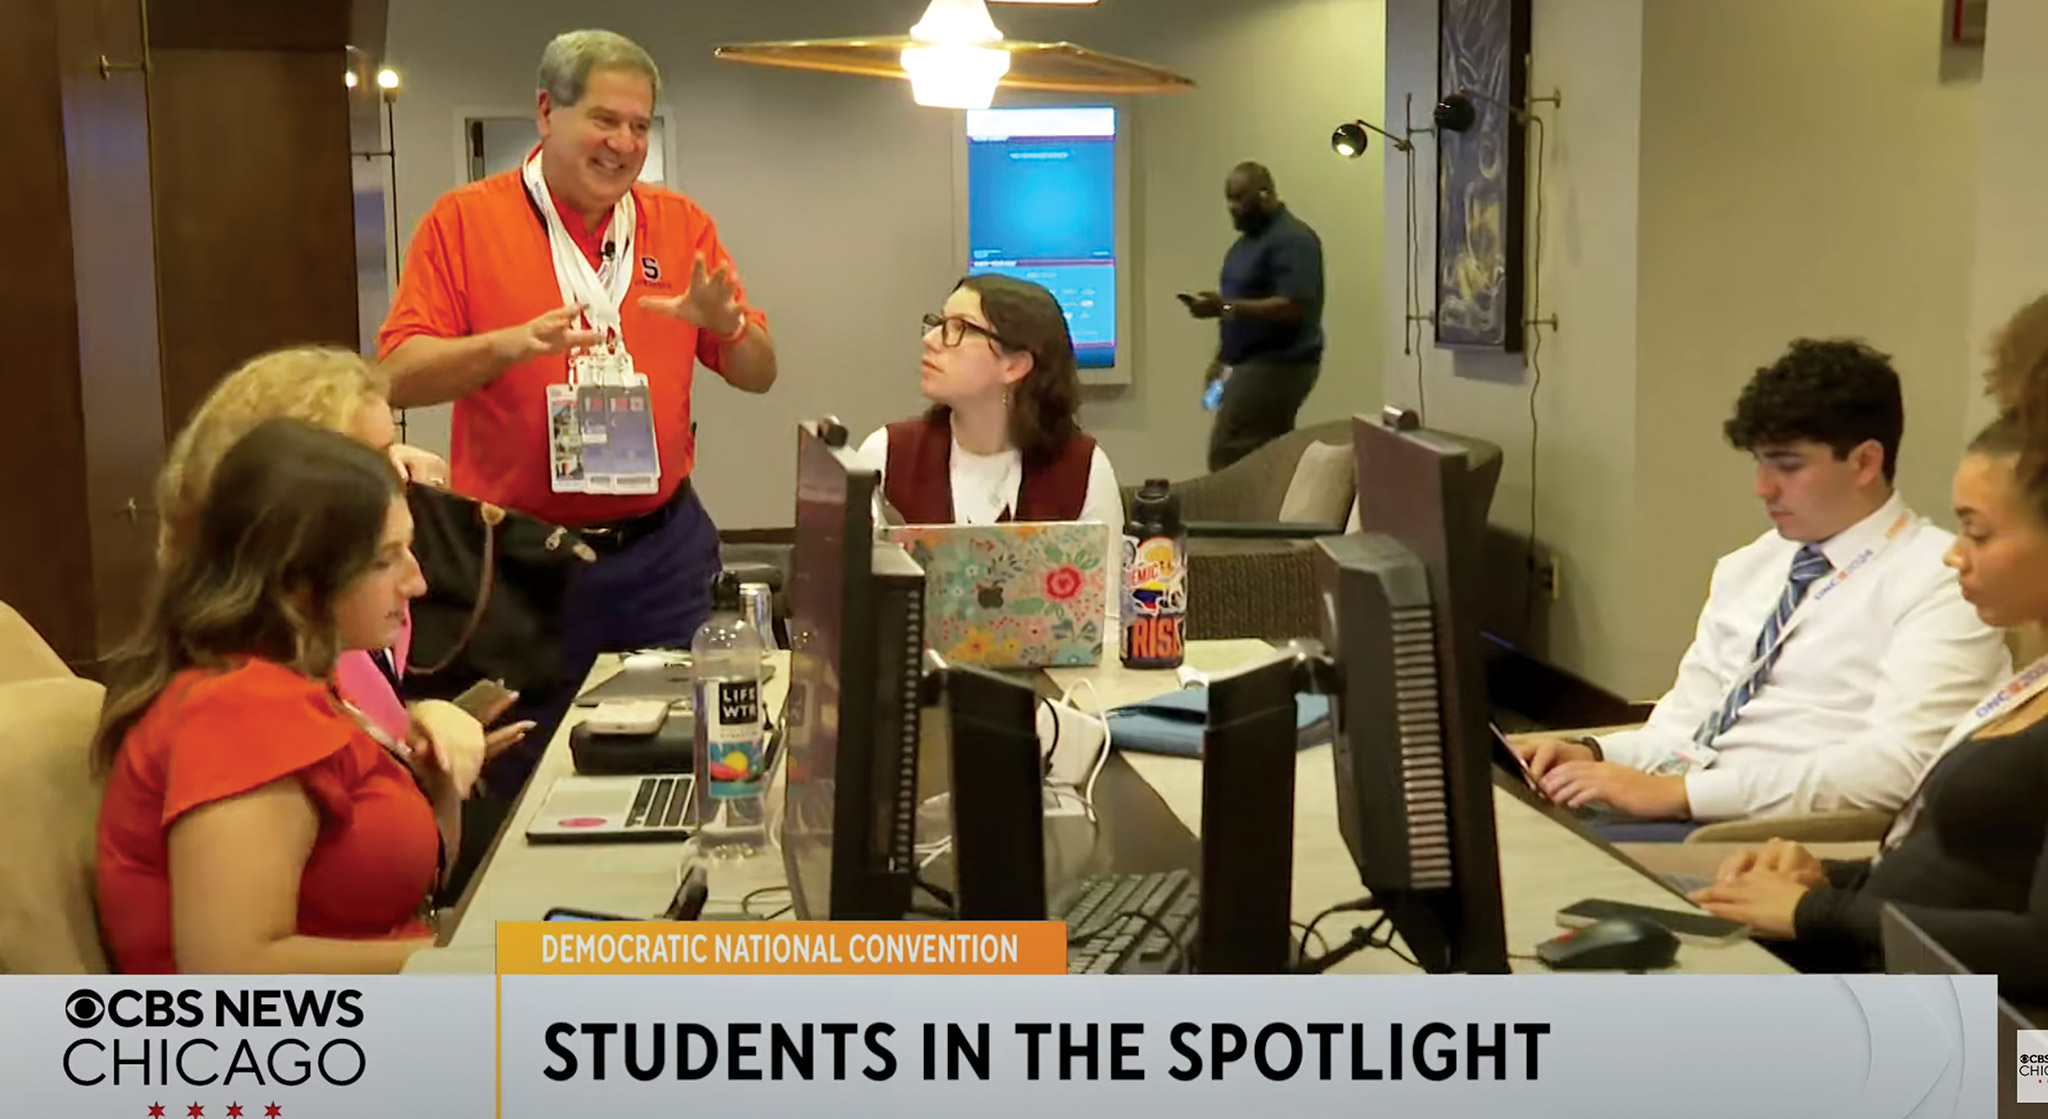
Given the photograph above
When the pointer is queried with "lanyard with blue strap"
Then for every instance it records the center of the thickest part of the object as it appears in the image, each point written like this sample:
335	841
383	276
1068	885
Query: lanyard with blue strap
1693	754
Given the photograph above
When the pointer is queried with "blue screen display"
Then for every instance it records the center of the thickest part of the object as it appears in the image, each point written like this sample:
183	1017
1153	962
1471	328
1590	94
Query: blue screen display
1041	205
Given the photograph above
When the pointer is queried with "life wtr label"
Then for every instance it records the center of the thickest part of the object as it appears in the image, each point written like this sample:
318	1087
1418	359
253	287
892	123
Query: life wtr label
733	737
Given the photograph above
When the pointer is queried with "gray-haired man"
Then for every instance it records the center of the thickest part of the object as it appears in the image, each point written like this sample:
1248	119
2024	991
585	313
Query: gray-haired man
566	297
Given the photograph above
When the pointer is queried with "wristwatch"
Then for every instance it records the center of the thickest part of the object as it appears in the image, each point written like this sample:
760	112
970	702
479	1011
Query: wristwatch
1593	744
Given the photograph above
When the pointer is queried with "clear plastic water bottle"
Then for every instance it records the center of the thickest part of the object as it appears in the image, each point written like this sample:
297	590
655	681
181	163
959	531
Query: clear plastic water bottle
726	659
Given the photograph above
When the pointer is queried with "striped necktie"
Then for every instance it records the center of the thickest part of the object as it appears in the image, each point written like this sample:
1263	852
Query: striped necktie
1809	564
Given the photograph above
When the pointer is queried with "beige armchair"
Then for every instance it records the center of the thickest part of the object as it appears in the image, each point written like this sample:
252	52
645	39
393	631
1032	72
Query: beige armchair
48	921
1251	531
24	655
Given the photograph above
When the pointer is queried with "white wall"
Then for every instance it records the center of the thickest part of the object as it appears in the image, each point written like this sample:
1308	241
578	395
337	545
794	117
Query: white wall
1721	178
2010	267
1830	191
835	195
1584	407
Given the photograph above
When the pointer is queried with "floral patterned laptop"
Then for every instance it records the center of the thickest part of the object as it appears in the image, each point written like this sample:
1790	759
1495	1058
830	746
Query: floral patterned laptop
1014	595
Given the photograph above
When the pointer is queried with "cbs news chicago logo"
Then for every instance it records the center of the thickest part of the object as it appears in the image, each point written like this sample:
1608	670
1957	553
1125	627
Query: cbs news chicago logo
254	1038
2031	1049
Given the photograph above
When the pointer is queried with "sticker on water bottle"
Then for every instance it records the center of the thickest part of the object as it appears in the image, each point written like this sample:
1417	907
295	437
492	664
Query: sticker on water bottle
1154	602
732	737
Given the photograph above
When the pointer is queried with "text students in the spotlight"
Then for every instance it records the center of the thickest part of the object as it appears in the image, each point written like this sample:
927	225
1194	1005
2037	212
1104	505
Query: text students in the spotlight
563	293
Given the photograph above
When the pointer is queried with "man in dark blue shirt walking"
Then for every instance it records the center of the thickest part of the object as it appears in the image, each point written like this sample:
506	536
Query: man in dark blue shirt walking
1270	346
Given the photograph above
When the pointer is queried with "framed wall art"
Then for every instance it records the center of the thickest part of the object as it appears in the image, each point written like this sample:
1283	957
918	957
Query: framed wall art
1483	46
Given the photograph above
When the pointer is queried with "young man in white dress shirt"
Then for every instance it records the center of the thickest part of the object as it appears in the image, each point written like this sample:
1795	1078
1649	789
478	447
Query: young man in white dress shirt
1834	653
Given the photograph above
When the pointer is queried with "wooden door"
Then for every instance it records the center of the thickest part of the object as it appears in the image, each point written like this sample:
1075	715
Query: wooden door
107	149
45	546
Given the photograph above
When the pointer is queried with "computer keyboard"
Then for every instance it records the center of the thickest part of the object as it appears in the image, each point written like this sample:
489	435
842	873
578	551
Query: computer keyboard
1107	927
659	802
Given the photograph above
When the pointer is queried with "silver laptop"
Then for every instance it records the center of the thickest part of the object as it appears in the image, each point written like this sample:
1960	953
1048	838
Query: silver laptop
645	808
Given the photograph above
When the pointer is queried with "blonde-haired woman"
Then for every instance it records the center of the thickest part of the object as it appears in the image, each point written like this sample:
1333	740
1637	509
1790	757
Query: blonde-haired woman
324	386
337	390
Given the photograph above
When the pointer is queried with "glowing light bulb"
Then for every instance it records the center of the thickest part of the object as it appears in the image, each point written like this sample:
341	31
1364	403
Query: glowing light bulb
952	68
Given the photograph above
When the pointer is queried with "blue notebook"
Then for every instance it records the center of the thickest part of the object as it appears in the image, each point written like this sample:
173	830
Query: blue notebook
1173	723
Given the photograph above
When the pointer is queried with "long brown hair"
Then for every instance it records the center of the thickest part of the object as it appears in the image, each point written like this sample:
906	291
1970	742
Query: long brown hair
1044	406
294	514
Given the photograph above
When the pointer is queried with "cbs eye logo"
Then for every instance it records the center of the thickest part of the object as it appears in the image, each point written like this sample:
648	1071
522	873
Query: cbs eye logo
85	1009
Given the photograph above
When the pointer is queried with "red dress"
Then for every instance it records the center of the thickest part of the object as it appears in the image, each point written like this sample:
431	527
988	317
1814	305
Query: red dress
216	734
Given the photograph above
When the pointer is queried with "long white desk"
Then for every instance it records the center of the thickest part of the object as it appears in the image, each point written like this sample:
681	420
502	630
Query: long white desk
521	881
1545	866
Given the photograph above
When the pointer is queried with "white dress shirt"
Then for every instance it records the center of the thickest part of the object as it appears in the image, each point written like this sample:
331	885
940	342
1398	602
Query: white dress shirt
985	485
1866	687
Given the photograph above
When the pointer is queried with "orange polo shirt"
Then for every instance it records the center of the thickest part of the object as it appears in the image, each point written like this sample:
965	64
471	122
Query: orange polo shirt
479	262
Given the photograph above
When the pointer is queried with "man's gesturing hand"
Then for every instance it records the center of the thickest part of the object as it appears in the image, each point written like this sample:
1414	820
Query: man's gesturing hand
712	303
551	333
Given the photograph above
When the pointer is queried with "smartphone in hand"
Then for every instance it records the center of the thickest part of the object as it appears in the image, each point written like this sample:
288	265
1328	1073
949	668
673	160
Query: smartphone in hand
1504	752
486	701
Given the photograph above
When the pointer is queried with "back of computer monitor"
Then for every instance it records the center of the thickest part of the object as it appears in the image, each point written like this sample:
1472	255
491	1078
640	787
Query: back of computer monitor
856	645
1909	950
997	773
1248	758
1413	754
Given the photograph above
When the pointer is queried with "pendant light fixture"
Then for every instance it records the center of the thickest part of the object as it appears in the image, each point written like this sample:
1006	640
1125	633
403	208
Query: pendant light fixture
955	58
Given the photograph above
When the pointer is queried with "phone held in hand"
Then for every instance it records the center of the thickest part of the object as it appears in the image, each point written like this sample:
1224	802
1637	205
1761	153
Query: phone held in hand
485	700
1505	753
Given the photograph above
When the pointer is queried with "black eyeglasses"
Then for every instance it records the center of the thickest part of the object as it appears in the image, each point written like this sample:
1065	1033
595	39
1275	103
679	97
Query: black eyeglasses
952	328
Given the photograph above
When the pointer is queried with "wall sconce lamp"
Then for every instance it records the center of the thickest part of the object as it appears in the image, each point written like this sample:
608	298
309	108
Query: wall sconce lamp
1456	113
1350	139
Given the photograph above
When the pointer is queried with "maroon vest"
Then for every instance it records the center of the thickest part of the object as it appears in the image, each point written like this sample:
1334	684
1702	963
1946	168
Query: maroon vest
919	480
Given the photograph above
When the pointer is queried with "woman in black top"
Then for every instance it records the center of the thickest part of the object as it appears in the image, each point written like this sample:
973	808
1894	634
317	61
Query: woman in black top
1965	858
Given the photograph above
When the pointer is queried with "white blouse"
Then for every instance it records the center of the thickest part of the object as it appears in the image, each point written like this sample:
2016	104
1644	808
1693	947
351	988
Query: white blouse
985	485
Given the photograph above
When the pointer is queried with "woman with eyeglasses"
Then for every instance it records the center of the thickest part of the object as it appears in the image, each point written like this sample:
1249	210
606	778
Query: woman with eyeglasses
1000	441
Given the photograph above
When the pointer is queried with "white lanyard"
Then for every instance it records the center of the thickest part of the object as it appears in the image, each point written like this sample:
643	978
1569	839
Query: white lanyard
1813	598
601	291
2030	682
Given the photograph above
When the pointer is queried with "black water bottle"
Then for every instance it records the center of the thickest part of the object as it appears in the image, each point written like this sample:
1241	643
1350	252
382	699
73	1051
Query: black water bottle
1154	606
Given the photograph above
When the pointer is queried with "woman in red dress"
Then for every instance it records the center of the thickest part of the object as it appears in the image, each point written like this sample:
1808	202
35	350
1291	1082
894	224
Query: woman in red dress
254	822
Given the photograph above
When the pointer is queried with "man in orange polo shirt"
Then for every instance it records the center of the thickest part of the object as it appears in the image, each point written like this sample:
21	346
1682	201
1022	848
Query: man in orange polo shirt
549	301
